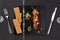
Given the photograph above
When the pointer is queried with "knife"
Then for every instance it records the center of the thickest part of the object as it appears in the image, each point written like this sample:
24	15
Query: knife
52	19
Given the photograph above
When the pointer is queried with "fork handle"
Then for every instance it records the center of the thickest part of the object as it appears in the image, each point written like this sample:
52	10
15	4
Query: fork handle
9	28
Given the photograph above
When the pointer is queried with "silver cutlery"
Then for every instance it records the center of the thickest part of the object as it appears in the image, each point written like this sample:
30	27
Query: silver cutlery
52	19
1	18
7	16
58	20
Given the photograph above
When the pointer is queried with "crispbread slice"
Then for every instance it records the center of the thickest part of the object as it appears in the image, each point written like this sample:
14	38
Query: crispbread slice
17	26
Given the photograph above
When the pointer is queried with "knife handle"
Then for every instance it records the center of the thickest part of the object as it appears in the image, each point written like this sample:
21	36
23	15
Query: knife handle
49	27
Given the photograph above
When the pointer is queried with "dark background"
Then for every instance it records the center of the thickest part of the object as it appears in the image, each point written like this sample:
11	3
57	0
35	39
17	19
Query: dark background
50	5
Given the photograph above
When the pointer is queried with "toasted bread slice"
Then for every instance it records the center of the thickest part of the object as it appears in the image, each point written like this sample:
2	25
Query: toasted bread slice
18	14
17	26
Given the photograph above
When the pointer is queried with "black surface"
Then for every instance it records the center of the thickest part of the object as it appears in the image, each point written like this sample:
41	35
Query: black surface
50	4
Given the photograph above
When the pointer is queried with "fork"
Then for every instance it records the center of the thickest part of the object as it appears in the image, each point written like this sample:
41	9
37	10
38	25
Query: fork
7	16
